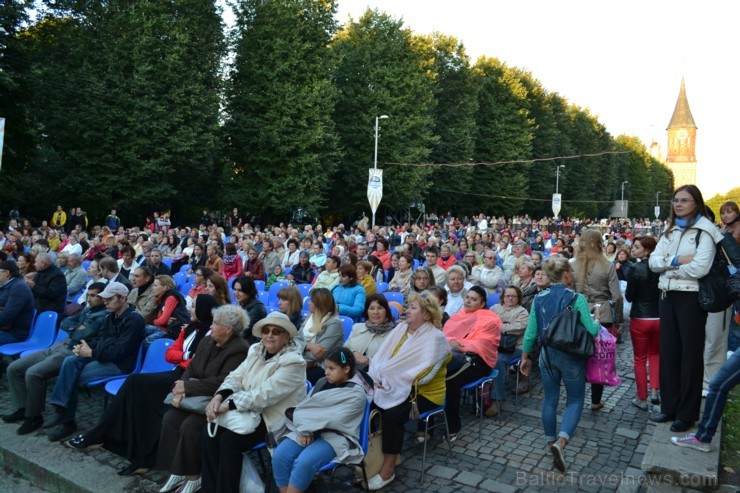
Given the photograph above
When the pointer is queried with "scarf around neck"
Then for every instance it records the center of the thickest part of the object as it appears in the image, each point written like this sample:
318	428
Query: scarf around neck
379	328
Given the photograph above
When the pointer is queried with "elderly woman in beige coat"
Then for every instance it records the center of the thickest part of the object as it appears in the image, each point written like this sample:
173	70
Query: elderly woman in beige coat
271	379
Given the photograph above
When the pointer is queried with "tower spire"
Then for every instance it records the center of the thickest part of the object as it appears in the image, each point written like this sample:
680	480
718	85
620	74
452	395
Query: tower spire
682	117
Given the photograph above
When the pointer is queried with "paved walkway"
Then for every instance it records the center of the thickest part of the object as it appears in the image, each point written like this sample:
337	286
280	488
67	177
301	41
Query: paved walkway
606	451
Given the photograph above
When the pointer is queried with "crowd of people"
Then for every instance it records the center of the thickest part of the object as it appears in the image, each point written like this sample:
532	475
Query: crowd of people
432	307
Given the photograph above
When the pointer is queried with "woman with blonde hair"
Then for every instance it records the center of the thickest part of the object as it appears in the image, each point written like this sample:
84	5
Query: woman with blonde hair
411	364
322	331
596	279
291	304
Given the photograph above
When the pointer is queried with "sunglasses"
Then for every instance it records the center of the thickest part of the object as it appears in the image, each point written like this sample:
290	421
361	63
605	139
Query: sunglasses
276	331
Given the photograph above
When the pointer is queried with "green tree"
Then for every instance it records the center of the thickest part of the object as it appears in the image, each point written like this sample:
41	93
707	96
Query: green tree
382	69
282	147
454	122
505	131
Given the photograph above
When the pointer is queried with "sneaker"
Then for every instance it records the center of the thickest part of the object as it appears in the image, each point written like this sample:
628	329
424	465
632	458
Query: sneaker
452	437
690	441
173	483
558	455
704	394
597	406
190	486
62	431
640	404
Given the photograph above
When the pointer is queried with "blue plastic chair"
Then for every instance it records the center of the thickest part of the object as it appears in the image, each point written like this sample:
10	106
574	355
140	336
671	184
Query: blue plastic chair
167	261
263	297
364	442
272	299
184	269
347	324
305	313
394	312
153	363
416	263
441	418
305	289
306	301
186	287
478	385
260	285
61	335
86	264
492	300
233	296
137	368
180	279
43	332
394	296
385	275
271	309
382	287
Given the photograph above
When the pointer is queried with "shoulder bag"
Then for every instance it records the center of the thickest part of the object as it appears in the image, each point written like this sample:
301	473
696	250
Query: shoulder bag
566	333
713	293
193	404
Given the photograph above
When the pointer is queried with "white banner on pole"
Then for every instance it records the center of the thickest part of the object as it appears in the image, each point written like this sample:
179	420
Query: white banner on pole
2	136
556	204
657	211
375	188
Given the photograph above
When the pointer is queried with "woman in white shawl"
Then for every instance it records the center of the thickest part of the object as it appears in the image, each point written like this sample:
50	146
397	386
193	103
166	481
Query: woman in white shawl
410	364
311	437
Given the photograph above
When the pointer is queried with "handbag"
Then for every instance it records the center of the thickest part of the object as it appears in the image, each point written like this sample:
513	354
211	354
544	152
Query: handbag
566	333
414	411
374	456
601	367
713	293
508	343
240	422
194	404
250	482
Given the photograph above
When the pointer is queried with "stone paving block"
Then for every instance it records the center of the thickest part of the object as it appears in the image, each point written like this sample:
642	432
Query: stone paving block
627	433
442	471
469	478
497	487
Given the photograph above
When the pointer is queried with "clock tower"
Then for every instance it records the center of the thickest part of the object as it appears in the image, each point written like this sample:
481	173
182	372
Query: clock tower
681	158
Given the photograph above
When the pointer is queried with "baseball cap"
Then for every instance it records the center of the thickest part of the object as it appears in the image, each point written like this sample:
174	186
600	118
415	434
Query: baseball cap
114	289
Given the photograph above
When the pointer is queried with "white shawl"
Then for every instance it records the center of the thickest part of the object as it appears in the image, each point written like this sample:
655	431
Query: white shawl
397	374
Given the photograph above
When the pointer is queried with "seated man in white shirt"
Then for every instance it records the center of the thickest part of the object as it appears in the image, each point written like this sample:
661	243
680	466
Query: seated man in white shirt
488	275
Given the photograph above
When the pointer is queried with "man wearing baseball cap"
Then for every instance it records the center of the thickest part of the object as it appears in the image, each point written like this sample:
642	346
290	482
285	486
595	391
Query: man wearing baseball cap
16	305
114	354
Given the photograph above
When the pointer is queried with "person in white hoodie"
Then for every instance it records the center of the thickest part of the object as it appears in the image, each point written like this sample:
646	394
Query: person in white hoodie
683	256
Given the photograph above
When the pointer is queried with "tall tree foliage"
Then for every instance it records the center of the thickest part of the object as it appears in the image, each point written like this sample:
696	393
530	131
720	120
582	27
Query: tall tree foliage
382	69
505	131
127	99
282	147
454	122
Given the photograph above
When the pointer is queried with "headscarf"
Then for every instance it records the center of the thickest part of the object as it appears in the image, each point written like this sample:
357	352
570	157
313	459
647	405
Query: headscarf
204	305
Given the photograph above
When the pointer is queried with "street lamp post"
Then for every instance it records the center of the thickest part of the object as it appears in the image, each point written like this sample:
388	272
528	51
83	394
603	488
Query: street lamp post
375	161
557	177
657	196
623	183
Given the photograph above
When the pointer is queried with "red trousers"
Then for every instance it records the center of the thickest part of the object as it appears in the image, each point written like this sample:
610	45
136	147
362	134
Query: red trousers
646	347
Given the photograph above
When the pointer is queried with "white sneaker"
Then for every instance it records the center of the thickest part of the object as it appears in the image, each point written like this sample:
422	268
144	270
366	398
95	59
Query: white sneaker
376	482
704	394
190	487
172	483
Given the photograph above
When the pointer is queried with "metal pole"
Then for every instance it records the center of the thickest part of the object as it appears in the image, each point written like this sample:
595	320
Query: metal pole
657	196
375	161
557	178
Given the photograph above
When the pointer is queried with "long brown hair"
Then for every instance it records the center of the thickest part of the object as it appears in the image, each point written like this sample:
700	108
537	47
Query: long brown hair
590	253
695	193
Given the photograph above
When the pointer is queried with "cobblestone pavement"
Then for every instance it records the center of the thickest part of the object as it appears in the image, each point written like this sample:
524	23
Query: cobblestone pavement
510	454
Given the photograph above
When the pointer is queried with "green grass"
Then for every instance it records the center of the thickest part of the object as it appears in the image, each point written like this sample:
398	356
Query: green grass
731	432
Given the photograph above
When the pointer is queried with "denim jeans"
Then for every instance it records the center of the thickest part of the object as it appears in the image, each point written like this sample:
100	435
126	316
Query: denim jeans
723	382
502	365
77	371
557	367
153	333
296	465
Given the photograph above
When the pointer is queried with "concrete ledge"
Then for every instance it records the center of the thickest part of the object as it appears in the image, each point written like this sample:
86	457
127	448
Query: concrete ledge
56	468
680	467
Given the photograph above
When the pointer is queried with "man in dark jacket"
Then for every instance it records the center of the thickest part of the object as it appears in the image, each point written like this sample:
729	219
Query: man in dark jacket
114	354
27	376
48	285
16	305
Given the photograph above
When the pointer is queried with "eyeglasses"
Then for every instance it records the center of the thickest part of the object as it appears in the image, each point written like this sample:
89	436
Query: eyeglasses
276	331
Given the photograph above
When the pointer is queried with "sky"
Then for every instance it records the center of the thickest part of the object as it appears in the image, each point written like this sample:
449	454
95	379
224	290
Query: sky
621	60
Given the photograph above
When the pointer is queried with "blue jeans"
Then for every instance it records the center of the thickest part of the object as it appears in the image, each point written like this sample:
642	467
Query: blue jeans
556	366
296	466
75	372
723	382
502	365
153	333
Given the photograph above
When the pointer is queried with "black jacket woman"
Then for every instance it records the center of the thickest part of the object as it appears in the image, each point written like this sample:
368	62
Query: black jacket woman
302	273
131	424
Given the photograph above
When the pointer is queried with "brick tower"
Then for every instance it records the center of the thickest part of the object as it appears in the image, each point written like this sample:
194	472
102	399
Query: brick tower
681	158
